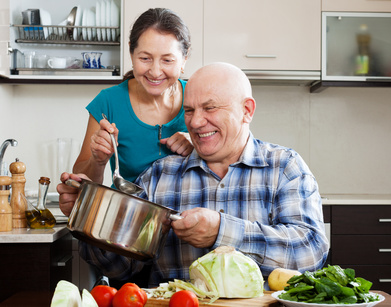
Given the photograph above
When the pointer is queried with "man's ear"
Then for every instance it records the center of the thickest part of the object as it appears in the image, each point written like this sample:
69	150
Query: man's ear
249	106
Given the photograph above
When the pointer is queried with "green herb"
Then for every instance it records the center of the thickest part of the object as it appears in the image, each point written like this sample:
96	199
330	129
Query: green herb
330	285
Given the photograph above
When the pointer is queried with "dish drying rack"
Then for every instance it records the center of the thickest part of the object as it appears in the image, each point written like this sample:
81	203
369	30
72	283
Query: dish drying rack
59	34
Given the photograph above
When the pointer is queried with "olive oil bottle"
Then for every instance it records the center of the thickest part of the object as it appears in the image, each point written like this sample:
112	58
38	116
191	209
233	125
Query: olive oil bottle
40	217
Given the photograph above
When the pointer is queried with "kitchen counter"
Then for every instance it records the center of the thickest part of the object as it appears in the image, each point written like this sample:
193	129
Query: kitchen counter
27	235
356	199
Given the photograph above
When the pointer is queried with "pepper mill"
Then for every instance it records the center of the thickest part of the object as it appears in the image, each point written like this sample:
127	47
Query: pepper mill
5	207
17	204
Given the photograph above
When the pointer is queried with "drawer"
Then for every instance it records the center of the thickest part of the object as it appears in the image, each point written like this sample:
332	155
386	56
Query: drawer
366	249
379	275
361	220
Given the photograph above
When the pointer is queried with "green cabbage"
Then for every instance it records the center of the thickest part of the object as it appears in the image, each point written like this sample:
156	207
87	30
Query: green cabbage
228	273
67	294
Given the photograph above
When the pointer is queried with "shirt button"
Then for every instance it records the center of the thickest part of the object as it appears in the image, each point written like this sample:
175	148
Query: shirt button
222	185
222	210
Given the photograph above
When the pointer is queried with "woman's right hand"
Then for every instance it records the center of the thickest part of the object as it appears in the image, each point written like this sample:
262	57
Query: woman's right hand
101	145
68	194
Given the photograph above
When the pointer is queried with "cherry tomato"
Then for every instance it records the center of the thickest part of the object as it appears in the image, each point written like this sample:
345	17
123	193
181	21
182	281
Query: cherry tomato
183	298
129	296
103	295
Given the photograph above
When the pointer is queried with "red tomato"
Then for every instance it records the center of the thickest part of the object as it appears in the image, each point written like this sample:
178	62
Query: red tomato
103	295
130	284
183	298
130	295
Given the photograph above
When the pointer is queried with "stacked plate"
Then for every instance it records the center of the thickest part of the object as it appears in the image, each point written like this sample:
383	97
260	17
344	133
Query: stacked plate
95	23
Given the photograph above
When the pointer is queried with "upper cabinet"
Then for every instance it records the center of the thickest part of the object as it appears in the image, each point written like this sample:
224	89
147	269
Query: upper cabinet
356	5
190	11
51	40
264	35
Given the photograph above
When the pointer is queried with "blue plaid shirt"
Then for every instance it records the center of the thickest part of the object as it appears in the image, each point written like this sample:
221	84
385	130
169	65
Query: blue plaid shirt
269	205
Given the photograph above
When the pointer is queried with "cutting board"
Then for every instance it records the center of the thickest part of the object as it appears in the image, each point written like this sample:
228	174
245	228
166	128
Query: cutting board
264	301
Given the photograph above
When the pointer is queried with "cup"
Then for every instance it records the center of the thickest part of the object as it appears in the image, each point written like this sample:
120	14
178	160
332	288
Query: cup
29	59
41	61
95	59
86	59
57	63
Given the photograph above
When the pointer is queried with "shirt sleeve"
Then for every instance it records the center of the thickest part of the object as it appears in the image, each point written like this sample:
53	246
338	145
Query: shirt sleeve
294	236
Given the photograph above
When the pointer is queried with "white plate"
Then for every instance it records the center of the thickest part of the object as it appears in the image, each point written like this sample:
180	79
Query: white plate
103	18
114	20
108	20
91	32
84	24
97	21
301	304
77	31
46	20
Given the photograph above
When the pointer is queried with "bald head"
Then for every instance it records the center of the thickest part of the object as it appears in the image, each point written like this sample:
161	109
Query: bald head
224	77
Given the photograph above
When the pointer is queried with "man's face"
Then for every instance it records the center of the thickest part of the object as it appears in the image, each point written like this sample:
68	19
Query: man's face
214	117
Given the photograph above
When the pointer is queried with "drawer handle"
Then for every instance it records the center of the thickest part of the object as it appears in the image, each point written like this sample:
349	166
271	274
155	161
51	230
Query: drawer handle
264	56
385	220
385	280
384	250
63	261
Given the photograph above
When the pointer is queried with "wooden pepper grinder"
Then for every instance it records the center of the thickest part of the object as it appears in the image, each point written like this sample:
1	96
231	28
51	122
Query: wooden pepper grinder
18	205
5	207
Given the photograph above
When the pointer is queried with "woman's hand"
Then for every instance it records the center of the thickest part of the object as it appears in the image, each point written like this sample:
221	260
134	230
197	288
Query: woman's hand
101	145
179	143
68	194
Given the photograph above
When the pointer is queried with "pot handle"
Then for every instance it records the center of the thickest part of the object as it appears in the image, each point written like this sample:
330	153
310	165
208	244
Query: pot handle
73	183
175	217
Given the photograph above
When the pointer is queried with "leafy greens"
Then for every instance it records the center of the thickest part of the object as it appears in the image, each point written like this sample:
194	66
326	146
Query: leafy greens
330	285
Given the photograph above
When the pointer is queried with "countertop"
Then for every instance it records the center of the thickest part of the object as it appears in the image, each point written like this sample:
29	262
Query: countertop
27	235
356	199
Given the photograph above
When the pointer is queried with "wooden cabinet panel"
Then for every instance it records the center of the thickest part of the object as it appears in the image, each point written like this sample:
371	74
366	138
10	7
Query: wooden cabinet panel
358	220
356	5
361	249
34	266
263	34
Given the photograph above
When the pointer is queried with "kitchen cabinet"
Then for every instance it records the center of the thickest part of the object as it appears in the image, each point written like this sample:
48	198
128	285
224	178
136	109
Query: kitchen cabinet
190	11
264	35
31	262
52	40
361	240
356	5
355	49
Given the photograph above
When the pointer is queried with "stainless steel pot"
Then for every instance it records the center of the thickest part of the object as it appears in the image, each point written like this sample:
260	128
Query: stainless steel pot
119	222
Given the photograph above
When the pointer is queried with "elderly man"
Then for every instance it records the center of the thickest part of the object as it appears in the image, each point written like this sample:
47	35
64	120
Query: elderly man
232	190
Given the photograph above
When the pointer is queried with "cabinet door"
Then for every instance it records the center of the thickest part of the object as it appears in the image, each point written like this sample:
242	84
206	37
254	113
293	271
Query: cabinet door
263	34
356	5
4	38
190	11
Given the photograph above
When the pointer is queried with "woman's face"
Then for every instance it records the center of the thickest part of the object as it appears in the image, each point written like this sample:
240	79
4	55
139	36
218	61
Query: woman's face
157	61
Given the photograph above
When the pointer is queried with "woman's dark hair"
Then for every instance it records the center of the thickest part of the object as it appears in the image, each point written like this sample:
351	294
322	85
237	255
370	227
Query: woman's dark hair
163	20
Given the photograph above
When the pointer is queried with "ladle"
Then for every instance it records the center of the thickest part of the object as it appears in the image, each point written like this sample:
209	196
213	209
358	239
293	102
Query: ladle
119	182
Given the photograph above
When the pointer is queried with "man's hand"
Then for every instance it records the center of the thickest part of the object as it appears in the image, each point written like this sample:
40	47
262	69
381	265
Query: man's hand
199	227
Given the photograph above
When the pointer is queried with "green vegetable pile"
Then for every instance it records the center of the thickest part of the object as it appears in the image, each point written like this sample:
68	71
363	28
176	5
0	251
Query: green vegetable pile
330	285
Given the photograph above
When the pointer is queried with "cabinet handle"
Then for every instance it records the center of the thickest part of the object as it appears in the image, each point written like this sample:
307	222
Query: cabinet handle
384	250
385	280
385	220
265	56
63	261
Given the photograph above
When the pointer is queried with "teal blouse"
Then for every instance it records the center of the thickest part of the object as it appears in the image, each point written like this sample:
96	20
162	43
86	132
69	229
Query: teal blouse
138	142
